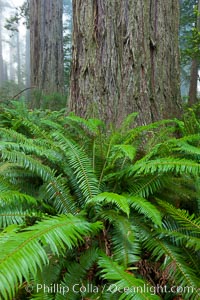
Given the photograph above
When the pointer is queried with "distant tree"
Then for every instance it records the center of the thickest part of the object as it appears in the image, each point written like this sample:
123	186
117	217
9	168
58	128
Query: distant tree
11	60
195	59
1	54
190	47
46	45
3	67
67	45
28	84
125	58
12	23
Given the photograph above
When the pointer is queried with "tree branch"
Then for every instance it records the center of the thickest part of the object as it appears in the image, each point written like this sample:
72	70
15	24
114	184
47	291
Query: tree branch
32	87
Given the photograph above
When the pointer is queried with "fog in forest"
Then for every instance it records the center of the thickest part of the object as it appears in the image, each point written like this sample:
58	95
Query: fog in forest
15	46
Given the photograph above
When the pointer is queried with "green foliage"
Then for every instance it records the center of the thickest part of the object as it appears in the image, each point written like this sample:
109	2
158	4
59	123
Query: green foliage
110	210
55	101
8	90
125	284
189	40
57	232
189	34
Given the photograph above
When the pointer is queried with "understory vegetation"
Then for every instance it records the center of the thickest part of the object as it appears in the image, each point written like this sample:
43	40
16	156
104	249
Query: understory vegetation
90	212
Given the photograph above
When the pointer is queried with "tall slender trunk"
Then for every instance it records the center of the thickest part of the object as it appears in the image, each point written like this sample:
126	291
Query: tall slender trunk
193	82
11	61
1	54
18	59
46	45
194	69
28	83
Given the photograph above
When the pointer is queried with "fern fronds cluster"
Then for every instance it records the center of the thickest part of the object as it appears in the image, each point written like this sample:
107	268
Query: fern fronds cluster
82	204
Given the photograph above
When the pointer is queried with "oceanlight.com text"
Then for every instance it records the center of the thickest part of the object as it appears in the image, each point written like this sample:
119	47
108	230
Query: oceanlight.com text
112	288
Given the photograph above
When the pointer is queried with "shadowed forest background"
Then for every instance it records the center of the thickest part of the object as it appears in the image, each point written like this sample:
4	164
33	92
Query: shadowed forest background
99	149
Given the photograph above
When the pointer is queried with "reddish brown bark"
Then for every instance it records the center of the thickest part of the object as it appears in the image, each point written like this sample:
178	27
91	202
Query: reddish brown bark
125	59
194	70
46	45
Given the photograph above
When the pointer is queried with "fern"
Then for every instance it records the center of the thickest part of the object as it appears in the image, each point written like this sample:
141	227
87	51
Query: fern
145	207
119	200
77	275
174	262
189	222
59	196
166	165
44	284
125	245
53	164
16	215
29	163
57	232
171	258
123	283
12	197
81	166
186	148
147	185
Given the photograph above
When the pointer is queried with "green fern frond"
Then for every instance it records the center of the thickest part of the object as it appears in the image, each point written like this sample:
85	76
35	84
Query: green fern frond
192	257
166	165
52	125
77	273
135	133
9	197
106	198
186	191
122	150
124	243
34	129
81	166
28	162
186	148
91	125
174	262
47	280
127	122
147	208
189	222
57	193
40	147
57	232
43	296
16	215
144	186
127	284
183	239
5	185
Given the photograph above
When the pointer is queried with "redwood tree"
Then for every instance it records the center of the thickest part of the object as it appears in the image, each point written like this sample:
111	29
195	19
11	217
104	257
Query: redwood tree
195	62
1	55
46	45
125	58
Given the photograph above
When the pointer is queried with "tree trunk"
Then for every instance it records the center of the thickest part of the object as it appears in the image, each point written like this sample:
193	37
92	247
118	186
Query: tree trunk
5	72
27	78
1	54
193	82
46	45
125	58
194	70
11	60
18	59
